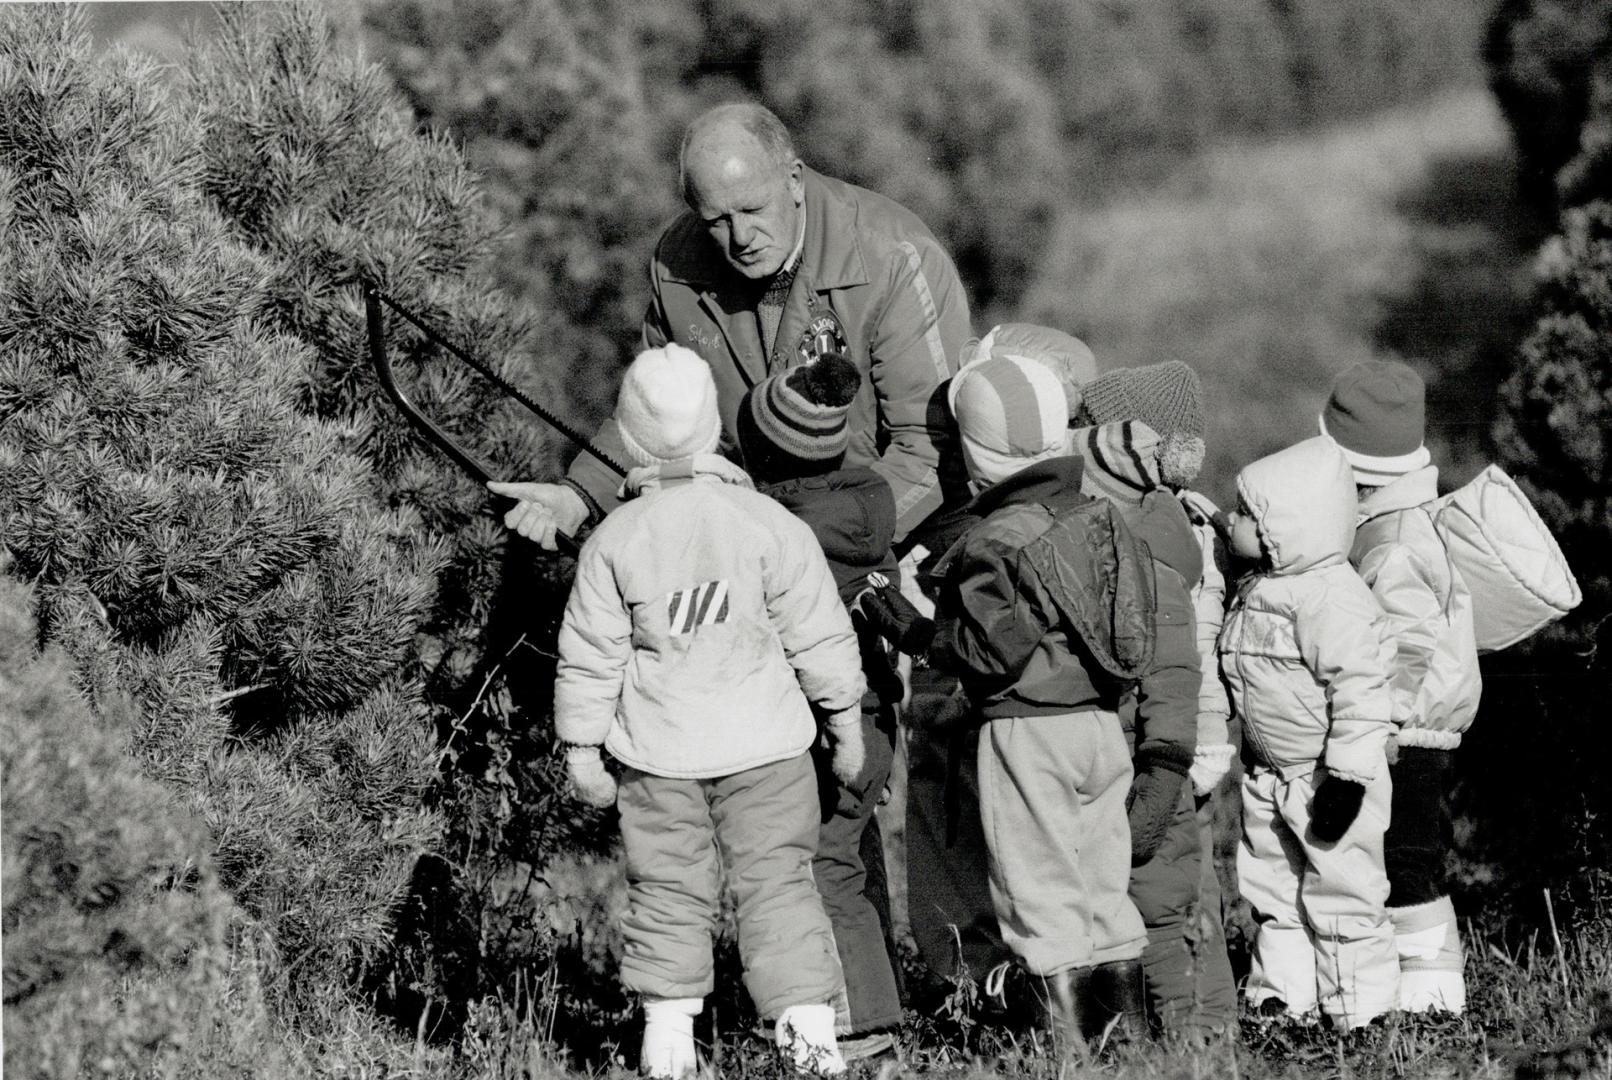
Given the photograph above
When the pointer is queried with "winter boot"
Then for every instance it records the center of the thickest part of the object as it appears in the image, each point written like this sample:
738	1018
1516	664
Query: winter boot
805	1033
1430	959
668	1049
1065	997
1119	989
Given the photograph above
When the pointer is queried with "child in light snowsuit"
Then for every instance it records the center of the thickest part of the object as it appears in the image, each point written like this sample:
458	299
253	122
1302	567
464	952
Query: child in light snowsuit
1144	444
1045	673
1305	653
1376	415
793	435
702	630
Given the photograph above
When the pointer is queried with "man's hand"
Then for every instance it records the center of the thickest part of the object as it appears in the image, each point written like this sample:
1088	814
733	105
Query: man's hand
542	510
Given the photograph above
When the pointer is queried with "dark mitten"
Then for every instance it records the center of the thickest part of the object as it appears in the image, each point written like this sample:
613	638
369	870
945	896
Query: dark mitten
894	618
1334	808
1151	804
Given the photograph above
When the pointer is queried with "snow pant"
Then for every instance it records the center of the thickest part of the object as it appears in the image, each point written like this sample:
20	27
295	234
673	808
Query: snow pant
949	910
1052	802
1322	933
850	891
1418	840
761	827
1189	981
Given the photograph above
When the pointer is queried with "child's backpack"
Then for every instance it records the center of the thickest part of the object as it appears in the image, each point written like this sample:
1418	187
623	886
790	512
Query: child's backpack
1519	580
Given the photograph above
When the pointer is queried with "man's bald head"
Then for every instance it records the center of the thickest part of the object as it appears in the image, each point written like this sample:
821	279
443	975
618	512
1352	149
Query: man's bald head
738	129
741	177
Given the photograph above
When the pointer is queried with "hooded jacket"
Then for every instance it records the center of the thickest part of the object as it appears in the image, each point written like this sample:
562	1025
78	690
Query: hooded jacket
702	621
1435	678
873	283
1305	650
1162	711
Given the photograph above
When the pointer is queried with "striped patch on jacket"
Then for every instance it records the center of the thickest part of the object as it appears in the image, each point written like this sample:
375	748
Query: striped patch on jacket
703	605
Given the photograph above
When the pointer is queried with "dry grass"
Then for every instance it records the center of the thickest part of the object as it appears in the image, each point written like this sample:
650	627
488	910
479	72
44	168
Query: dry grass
1270	266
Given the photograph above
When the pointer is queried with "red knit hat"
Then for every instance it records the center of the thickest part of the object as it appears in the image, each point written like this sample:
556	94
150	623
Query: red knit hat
1376	414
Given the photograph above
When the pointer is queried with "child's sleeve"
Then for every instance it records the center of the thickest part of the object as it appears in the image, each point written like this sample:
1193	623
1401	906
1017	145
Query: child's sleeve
1209	613
1167	695
595	643
1404	587
1339	641
811	621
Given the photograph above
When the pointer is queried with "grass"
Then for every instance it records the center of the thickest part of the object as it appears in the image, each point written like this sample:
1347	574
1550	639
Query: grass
1269	266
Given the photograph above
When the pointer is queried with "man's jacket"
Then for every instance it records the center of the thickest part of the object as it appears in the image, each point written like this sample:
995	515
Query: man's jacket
872	282
702	621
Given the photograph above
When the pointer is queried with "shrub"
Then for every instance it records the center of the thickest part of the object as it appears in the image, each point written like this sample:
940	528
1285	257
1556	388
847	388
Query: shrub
195	541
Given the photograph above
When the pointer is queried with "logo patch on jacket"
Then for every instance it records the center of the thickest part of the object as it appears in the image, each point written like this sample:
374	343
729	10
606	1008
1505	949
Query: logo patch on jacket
822	335
703	605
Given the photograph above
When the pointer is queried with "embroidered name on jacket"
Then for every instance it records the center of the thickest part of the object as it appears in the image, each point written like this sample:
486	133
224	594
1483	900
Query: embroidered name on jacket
703	605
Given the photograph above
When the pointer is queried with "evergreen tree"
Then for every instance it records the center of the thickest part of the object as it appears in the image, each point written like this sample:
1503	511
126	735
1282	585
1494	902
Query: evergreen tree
195	541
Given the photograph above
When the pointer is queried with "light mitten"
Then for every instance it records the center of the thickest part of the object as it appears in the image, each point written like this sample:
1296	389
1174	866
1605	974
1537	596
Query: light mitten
805	1033
591	783
1210	764
668	1050
845	737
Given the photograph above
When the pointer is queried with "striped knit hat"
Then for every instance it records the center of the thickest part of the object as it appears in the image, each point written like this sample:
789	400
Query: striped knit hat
667	406
1376	414
1122	463
1011	413
793	423
1068	357
1167	398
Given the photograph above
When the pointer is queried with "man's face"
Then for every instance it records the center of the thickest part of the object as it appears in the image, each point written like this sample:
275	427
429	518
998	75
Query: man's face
751	206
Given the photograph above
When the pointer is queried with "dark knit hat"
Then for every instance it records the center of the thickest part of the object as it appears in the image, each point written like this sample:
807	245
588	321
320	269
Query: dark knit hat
1376	414
1168	398
795	420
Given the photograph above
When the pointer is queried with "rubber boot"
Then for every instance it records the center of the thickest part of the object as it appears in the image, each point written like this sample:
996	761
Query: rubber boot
805	1033
1066	1002
1119	989
1430	958
668	1048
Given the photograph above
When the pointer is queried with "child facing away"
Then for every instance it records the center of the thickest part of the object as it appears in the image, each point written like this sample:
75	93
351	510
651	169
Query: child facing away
1304	651
1142	442
1376	414
702	630
792	436
1043	661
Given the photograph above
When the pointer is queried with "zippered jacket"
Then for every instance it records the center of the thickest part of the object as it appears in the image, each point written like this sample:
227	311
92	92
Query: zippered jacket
1435	678
702	621
873	283
1305	649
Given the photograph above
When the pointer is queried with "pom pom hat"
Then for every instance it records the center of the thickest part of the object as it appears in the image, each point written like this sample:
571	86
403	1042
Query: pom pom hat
1376	414
1011	413
802	411
667	406
1168	399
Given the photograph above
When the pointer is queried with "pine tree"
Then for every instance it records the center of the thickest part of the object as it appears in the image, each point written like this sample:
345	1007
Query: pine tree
196	542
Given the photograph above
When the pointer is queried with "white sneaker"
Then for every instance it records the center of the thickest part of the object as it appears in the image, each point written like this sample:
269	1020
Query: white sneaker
668	1049
806	1034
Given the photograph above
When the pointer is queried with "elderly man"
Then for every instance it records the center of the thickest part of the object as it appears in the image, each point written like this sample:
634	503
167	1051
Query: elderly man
773	265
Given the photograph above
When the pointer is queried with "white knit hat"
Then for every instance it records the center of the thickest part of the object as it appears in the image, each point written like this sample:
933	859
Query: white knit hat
667	407
1011	413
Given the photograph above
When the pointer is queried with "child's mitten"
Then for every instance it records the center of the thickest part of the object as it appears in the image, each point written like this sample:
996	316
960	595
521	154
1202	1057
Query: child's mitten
1210	764
895	618
1151	804
1335	807
845	735
590	782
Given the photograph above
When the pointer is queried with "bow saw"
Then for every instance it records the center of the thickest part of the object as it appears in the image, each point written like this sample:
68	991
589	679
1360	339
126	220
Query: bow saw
375	318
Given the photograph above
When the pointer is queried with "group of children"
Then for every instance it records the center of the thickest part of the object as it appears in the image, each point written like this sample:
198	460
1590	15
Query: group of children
709	646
